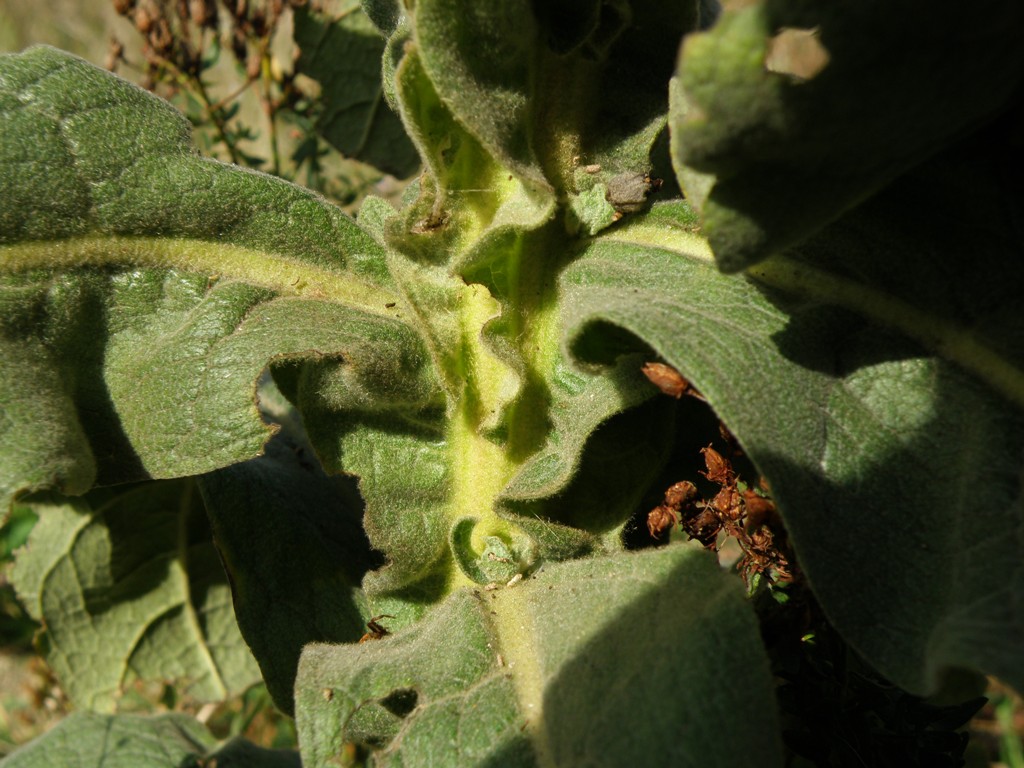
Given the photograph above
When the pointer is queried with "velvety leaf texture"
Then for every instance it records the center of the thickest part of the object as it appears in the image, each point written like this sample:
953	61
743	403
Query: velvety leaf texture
128	586
265	512
385	14
787	114
849	398
598	438
480	56
148	344
131	741
86	739
582	664
551	89
395	465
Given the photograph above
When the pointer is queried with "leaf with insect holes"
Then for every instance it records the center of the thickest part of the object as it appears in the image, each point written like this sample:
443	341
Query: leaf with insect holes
341	49
849	388
785	115
128	587
582	663
132	741
145	289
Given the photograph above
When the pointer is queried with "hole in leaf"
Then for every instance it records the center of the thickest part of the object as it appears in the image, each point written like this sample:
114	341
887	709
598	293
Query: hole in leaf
401	702
797	53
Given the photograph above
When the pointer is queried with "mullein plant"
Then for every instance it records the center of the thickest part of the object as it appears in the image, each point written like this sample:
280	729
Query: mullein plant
391	465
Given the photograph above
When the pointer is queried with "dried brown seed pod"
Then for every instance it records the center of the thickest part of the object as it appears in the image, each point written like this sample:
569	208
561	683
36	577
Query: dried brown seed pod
161	37
252	66
719	469
659	520
728	503
115	54
680	493
666	378
703	525
760	511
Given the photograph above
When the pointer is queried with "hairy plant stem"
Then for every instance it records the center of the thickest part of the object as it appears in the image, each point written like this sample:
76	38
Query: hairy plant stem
493	435
563	101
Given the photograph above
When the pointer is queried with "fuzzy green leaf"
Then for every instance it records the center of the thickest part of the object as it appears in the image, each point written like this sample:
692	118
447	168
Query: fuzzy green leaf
549	89
123	741
557	482
385	14
785	115
290	539
342	50
145	330
479	57
129	587
132	741
602	451
849	397
583	663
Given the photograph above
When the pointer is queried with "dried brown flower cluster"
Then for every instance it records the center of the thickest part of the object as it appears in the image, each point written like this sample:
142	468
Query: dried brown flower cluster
174	30
735	511
180	41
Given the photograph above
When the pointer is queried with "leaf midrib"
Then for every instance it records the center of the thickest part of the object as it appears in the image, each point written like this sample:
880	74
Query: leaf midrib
284	275
947	339
513	624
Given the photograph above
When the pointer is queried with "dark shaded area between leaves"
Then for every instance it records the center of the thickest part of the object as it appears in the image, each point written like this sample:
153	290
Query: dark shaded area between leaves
292	544
838	712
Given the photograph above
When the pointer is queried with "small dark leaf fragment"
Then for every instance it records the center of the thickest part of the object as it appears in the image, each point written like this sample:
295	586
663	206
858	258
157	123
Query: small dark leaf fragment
376	631
628	192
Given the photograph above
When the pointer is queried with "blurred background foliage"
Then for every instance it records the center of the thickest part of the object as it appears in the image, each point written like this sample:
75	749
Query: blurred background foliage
233	68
